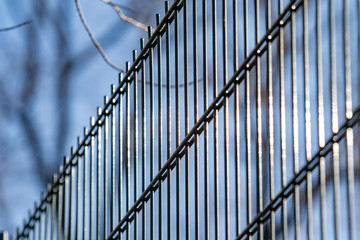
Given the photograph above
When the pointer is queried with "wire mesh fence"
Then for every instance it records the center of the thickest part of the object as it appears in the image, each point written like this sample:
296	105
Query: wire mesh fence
237	119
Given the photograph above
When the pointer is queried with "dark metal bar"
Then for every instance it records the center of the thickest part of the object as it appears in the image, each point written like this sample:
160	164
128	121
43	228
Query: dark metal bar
282	119
136	142
226	119
196	151
206	135
177	122
128	149
247	116
112	160
295	122
66	203
168	120
60	207
321	120
186	108
92	178
143	128
78	165
270	118
216	184
72	195
85	189
121	155
98	153
152	133
105	169
237	121
47	211
53	204
159	124
307	117
258	123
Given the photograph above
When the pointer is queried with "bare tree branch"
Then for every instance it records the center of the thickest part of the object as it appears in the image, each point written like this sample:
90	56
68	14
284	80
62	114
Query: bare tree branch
117	8
93	39
16	26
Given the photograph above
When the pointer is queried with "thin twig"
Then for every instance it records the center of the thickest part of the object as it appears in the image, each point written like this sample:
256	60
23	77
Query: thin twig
16	26
93	39
117	8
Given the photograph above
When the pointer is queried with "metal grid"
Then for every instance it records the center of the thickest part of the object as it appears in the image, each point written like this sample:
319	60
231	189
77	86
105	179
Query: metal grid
192	144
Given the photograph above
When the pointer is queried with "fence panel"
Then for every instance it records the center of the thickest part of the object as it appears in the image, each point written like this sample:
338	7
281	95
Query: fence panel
237	119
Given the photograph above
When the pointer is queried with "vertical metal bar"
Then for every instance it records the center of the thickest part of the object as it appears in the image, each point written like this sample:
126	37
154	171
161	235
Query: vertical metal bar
53	204
136	139
186	106
85	188
349	115
259	121
128	148
307	118
71	195
65	203
143	114
105	168
336	189
334	105
196	143
112	167
295	121
322	180
159	124
121	155
334	109
321	120
205	95
34	226
270	117
216	187
226	119
247	116
60	204
282	119
78	192
92	177
47	211
350	181
41	221
347	61
177	110
237	120
98	153
152	133
168	120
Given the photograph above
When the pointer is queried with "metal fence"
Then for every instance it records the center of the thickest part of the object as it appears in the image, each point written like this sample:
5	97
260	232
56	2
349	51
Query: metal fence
238	119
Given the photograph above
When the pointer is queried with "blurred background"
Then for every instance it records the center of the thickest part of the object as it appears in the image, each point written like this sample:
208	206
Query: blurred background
51	80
